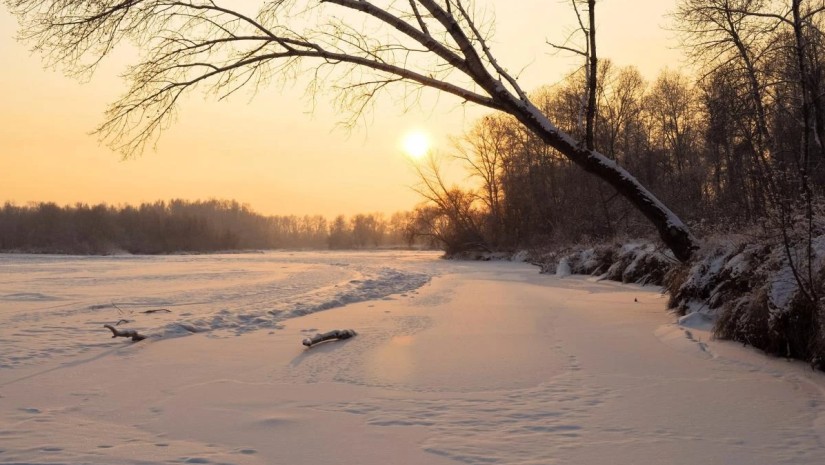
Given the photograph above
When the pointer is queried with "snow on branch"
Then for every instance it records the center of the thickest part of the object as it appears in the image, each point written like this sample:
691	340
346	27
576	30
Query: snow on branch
194	44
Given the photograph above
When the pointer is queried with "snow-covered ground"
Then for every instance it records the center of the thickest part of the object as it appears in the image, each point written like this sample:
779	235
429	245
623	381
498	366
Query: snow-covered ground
62	302
474	363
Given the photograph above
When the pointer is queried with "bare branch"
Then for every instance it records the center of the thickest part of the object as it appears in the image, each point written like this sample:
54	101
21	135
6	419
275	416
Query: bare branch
200	44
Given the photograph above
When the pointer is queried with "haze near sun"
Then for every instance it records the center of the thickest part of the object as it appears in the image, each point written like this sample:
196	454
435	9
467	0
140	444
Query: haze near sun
416	144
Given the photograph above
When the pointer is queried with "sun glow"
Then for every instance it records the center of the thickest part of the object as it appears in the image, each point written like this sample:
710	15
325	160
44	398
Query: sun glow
416	144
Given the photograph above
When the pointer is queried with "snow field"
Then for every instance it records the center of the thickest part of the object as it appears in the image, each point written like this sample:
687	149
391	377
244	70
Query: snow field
55	306
488	363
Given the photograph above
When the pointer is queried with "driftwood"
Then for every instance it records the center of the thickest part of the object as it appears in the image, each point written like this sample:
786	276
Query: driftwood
125	333
335	334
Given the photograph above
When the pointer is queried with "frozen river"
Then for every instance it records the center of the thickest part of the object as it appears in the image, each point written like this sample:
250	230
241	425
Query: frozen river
55	306
454	363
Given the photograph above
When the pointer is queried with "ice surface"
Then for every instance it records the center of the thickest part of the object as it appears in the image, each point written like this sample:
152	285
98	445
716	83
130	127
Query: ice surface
55	306
490	363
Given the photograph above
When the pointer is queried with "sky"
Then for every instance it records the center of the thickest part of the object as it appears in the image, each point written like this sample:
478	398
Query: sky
275	150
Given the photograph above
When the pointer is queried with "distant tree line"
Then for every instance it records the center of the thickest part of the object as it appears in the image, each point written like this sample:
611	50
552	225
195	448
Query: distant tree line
184	226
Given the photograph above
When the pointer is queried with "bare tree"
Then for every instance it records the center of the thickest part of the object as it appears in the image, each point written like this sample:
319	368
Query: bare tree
622	107
722	33
459	221
592	72
749	34
439	44
482	152
671	106
592	87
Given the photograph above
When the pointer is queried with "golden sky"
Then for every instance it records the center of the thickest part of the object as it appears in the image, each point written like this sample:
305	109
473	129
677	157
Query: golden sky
274	151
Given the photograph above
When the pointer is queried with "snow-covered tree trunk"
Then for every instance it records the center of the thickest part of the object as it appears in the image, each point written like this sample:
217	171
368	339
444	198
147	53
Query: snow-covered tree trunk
673	232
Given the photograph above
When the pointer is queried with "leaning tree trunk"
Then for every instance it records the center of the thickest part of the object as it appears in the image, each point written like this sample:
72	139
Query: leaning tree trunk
673	232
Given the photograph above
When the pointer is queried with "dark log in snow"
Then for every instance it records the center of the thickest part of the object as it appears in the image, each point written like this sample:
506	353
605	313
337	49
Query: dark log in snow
125	333
335	334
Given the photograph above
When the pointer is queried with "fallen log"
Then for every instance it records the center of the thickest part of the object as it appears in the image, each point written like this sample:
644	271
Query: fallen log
334	334
125	333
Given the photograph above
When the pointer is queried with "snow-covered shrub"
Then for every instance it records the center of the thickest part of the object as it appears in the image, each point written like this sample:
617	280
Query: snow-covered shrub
520	256
640	263
745	319
547	259
592	261
635	262
746	284
719	273
790	332
752	288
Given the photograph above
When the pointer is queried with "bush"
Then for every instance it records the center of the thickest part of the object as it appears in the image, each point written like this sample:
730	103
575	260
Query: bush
752	290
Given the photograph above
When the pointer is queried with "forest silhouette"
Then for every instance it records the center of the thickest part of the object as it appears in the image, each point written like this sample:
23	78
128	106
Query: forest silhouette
186	226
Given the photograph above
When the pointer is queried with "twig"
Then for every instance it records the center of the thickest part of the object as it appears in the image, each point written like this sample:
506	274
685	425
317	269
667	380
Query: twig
157	310
120	310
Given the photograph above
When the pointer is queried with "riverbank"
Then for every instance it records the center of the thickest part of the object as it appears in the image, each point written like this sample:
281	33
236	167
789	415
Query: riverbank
760	293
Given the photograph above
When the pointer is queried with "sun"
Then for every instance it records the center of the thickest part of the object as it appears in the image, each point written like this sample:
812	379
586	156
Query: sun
416	144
